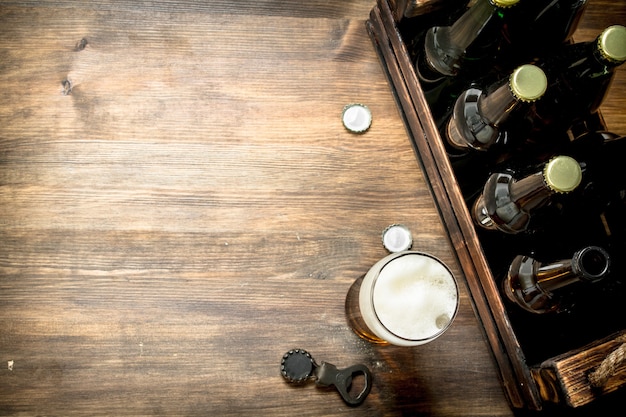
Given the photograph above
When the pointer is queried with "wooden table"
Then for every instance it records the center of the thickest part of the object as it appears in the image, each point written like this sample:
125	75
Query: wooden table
180	205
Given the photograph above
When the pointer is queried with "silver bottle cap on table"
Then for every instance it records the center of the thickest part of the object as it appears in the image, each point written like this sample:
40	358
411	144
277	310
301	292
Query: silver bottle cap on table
357	118
397	238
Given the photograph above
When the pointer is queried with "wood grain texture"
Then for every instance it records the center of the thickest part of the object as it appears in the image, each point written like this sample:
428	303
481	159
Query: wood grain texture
568	375
180	205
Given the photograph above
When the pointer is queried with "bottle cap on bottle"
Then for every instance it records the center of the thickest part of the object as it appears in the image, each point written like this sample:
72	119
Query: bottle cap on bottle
504	3
562	174
528	83
612	44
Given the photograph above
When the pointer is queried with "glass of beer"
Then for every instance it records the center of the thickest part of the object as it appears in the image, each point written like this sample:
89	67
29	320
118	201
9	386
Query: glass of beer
406	299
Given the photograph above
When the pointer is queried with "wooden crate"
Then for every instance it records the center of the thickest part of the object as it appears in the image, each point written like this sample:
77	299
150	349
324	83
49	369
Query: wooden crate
528	383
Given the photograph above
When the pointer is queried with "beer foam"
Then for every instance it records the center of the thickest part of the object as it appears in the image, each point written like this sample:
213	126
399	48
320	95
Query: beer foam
415	297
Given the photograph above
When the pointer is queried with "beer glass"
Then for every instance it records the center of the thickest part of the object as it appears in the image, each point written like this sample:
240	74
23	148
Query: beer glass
406	299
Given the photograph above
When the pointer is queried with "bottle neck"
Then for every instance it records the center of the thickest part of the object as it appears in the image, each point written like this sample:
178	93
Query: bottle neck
467	27
596	72
530	192
588	264
590	63
556	275
467	43
495	107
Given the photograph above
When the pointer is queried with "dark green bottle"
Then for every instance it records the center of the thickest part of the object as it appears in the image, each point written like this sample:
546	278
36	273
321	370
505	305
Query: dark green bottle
601	155
579	78
466	49
537	28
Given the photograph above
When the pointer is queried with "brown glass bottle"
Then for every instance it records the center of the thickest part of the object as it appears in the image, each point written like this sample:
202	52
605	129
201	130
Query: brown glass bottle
534	286
508	203
478	114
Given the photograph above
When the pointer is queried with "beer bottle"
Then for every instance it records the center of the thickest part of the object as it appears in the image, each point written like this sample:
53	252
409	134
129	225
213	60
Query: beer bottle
535	286
600	155
478	115
538	27
415	17
465	48
579	77
508	203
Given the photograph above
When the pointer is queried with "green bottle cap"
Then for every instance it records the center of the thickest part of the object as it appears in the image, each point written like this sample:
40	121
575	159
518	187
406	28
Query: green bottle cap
562	174
504	3
528	83
612	44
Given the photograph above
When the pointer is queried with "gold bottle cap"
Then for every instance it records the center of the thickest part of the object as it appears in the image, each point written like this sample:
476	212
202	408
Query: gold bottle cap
612	44
504	3
562	174
528	83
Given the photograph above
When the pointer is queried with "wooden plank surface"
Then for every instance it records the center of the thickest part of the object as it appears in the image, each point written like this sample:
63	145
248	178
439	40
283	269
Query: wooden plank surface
567	378
180	205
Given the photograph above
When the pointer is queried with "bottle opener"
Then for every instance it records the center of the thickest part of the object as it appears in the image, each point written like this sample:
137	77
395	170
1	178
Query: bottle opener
298	366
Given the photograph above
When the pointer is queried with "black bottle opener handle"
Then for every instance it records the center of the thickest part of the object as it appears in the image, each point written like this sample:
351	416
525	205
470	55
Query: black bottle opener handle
328	374
298	366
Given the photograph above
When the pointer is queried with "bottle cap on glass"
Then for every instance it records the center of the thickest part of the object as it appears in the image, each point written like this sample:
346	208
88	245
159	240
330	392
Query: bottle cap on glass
397	238
612	44
504	3
528	83
357	118
562	174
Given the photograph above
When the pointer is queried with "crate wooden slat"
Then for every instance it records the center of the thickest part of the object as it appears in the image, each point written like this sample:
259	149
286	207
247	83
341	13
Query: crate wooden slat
564	379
